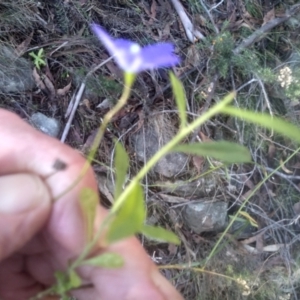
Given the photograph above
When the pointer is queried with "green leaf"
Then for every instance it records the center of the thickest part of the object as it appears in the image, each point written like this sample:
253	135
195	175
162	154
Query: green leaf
179	94
129	218
160	234
280	126
74	280
121	167
88	200
224	151
249	218
106	260
61	282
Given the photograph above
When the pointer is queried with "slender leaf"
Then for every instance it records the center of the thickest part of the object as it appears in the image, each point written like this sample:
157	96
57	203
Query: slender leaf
280	126
179	94
121	167
106	260
88	201
224	151
160	234
130	217
61	282
74	280
249	218
66	282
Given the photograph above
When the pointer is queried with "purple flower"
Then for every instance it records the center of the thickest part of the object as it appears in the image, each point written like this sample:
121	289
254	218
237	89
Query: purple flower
132	58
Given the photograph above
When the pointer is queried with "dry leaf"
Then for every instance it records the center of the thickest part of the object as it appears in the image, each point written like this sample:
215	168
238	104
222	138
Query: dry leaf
86	103
50	87
153	11
204	138
172	199
270	15
271	150
172	249
192	56
284	168
198	162
65	90
38	80
22	48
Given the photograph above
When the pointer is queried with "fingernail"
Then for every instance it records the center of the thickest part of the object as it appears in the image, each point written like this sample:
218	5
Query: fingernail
20	193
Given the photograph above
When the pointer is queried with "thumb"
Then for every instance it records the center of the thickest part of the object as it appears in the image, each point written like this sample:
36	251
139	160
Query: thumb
24	208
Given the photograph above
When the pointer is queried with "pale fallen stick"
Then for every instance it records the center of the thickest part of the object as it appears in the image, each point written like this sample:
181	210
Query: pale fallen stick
269	248
192	33
260	32
78	98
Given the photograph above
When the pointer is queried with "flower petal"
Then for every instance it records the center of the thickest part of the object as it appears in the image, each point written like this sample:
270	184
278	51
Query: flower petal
105	38
159	55
128	55
132	58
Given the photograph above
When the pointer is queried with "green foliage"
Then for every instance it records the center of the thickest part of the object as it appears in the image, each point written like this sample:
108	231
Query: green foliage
88	201
178	91
224	151
254	8
273	123
109	88
222	53
105	260
128	214
121	167
38	59
160	234
66	282
129	218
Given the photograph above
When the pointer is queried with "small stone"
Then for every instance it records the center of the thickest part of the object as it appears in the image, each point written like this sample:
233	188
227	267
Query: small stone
206	216
45	124
15	72
148	141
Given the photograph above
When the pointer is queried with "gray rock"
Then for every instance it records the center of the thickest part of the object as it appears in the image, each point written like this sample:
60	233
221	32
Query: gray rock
15	72
148	141
45	124
206	216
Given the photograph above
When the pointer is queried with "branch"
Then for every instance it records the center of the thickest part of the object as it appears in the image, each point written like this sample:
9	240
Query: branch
256	35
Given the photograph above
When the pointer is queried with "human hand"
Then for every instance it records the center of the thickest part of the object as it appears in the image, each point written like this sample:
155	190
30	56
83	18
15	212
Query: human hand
39	237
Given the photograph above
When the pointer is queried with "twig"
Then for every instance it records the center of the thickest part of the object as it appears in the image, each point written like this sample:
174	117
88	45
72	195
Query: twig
266	99
265	28
192	33
215	6
210	16
289	177
78	98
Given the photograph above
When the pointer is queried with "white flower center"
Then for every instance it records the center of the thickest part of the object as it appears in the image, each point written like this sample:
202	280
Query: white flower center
135	48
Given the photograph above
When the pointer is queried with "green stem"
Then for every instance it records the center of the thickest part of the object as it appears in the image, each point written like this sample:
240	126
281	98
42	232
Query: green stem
100	133
107	118
169	146
243	205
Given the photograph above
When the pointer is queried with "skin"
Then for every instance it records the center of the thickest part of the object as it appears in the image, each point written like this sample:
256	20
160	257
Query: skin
38	236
